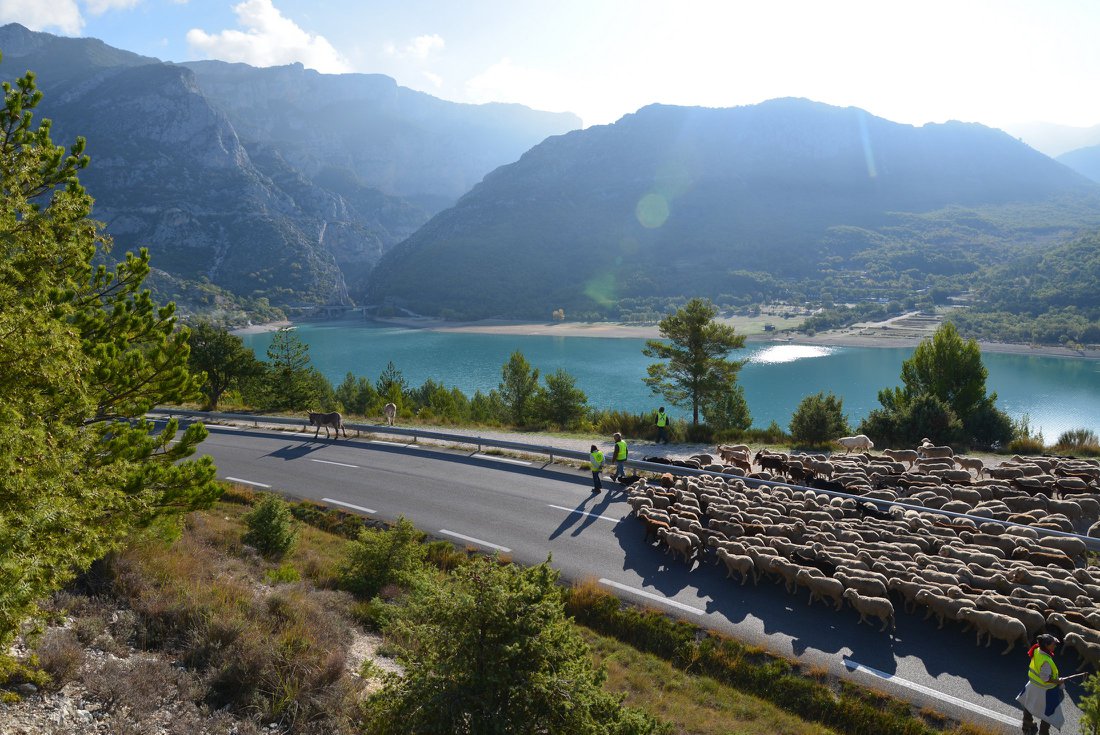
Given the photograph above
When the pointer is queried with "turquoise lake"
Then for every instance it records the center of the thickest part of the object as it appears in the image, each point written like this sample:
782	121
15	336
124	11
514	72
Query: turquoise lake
1057	393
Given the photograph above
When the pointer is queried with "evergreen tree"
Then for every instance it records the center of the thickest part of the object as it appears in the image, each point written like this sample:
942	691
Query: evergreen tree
696	370
357	395
292	383
818	420
223	358
518	385
491	651
561	402
392	386
85	353
728	411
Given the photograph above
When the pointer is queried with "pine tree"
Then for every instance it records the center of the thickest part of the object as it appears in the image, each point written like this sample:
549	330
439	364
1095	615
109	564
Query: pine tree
223	358
84	353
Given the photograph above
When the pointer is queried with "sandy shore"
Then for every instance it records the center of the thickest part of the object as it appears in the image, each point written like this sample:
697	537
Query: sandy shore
261	328
752	327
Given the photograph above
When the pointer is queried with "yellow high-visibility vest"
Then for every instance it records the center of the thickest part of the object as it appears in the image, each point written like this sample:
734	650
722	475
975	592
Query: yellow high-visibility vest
620	450
1034	671
662	419
597	461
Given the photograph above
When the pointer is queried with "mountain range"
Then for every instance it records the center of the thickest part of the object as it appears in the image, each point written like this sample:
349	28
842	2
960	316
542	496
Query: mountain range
276	185
671	201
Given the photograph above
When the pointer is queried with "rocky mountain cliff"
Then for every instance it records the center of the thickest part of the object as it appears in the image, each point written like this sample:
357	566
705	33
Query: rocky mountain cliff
278	184
673	201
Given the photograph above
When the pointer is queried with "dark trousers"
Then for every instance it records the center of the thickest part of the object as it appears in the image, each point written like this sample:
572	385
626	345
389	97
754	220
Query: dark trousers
1029	725
662	434
596	484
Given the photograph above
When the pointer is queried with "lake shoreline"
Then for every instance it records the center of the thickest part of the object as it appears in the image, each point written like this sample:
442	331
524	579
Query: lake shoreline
851	337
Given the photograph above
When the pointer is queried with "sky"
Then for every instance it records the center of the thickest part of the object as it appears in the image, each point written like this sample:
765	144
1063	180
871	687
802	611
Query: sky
997	62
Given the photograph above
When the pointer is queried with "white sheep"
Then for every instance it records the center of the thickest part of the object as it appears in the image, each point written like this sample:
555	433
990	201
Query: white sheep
742	564
679	543
1087	651
971	463
902	455
821	587
930	450
995	625
859	442
878	607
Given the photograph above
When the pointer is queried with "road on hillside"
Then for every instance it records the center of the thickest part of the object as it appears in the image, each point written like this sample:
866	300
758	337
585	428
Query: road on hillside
531	510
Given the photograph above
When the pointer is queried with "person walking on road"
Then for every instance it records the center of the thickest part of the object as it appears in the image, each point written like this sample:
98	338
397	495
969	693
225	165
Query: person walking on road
596	463
662	425
1042	696
619	455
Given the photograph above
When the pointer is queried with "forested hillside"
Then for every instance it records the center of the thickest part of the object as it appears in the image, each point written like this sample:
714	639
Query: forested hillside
785	199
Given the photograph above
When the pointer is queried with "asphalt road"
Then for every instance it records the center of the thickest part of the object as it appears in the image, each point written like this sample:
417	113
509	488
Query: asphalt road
531	510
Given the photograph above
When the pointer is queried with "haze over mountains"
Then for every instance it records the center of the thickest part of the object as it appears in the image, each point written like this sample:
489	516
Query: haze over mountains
289	187
275	183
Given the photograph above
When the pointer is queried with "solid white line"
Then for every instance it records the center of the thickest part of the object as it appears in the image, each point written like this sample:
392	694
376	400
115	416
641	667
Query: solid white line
246	482
585	513
473	540
656	598
338	464
849	663
501	459
348	505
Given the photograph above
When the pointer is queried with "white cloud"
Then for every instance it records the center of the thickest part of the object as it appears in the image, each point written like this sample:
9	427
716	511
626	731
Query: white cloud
98	7
269	39
418	48
57	15
507	82
435	79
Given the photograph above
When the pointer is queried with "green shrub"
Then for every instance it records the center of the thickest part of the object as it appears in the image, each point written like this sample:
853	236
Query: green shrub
818	420
383	557
271	527
773	434
1078	441
1090	706
282	574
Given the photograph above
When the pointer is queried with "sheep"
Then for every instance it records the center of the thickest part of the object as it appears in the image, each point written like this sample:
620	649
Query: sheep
1044	558
742	564
941	606
971	463
878	607
995	625
653	528
908	591
678	543
859	441
390	412
821	588
865	584
1067	626
902	455
1071	547
1087	651
930	450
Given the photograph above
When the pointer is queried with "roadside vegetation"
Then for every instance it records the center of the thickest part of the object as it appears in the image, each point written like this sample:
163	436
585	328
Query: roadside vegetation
208	632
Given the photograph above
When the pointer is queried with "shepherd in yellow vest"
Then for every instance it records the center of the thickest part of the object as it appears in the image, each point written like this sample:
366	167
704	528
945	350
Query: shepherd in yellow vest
619	455
1042	696
662	426
596	464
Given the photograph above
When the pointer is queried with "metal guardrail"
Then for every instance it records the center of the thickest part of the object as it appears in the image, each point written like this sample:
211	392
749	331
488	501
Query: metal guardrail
1093	544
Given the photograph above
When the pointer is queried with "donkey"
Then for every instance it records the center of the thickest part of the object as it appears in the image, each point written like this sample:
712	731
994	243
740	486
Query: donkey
334	419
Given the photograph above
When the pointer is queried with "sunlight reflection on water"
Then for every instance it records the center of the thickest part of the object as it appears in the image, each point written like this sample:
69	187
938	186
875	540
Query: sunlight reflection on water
789	353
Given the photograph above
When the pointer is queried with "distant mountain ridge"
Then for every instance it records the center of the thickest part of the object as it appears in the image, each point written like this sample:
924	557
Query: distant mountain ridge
674	200
1085	161
279	184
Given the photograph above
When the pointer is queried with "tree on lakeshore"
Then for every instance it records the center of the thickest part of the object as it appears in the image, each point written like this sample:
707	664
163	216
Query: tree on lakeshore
85	353
491	651
697	369
518	385
392	386
292	383
729	411
818	420
224	360
943	397
560	402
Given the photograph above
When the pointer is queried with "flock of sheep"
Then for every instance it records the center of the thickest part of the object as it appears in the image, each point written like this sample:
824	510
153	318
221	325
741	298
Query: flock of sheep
919	528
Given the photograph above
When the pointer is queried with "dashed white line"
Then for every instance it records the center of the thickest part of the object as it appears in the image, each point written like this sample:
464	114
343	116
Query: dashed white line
479	455
338	464
585	513
247	482
656	598
854	666
473	540
395	444
348	505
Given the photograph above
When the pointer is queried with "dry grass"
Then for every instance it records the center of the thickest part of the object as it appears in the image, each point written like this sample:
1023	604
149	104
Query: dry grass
693	704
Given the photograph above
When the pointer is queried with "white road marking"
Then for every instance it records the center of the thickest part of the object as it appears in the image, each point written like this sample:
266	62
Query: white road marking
501	459
585	513
338	464
348	505
656	598
247	482
225	427
854	666
473	540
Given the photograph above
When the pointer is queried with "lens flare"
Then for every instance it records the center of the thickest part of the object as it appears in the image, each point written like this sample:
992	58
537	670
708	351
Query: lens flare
652	211
868	154
601	289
